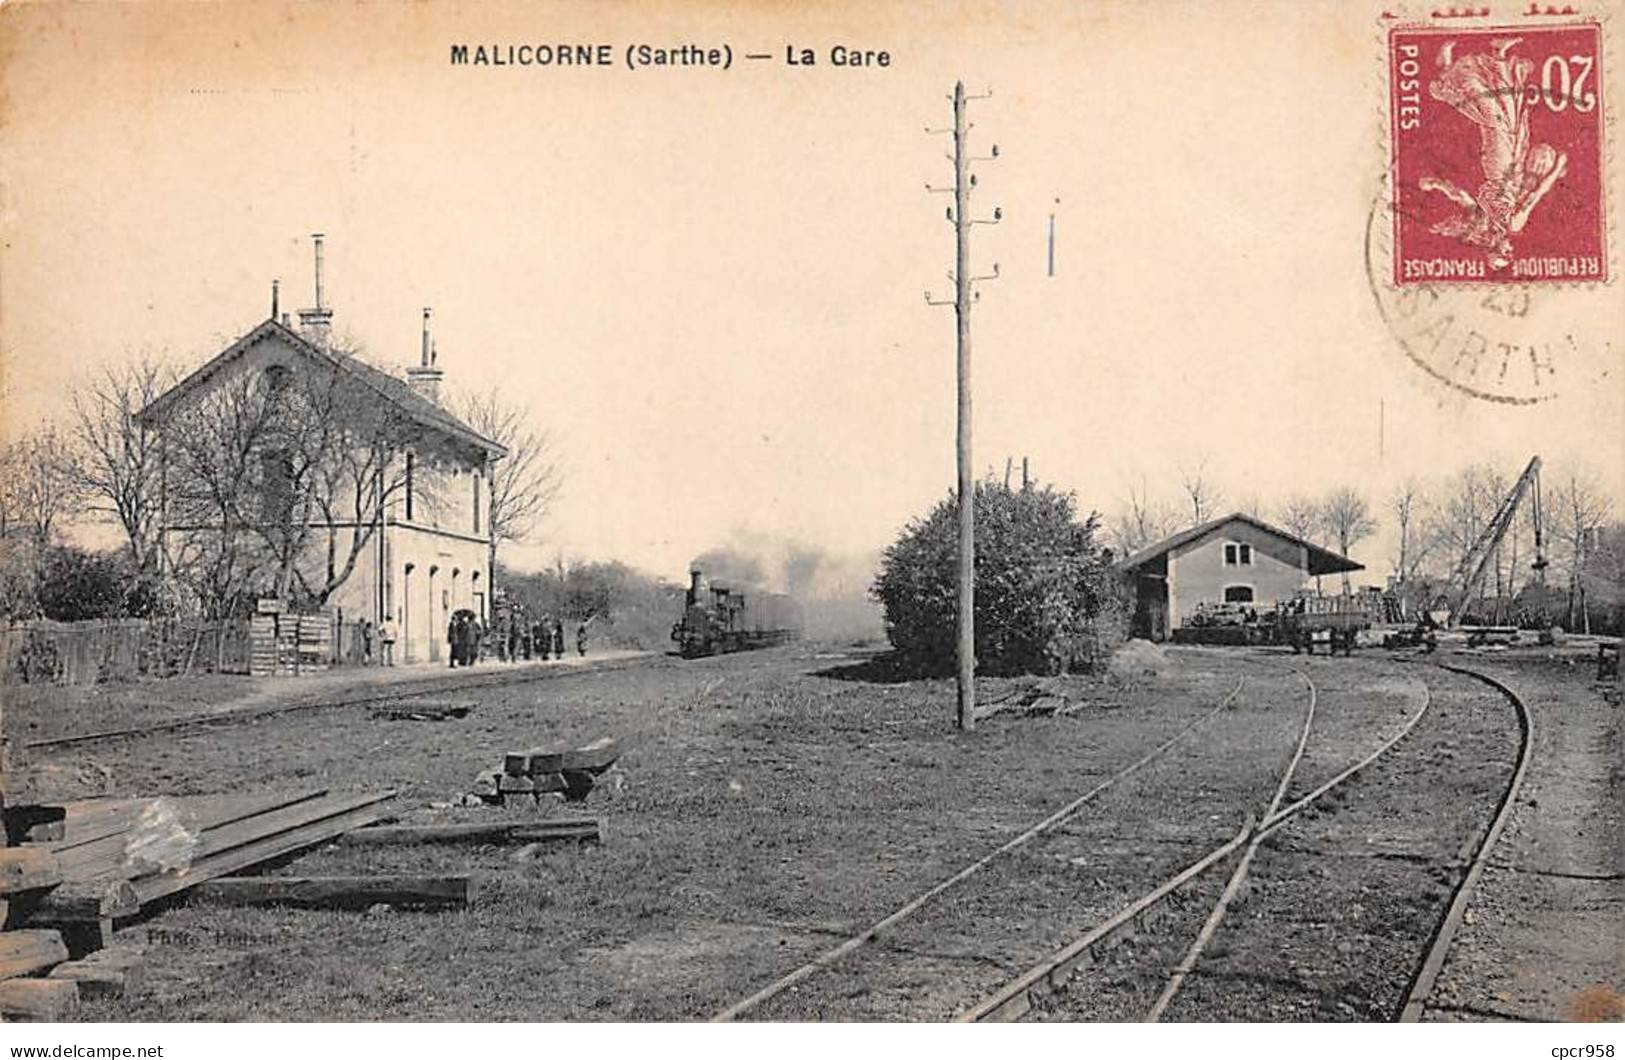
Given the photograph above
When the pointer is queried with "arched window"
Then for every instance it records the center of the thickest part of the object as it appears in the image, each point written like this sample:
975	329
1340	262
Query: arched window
1238	594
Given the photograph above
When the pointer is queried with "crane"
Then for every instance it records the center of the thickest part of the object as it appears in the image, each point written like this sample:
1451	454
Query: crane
1475	561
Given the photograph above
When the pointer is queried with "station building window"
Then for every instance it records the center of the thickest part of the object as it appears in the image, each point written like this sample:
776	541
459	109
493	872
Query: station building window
1238	555
1238	594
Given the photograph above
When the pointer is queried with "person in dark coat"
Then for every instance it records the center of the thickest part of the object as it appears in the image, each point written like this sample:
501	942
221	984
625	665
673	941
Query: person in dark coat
540	637
558	638
581	639
453	636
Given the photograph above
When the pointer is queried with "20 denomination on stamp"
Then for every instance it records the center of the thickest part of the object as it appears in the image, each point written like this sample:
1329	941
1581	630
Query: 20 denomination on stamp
1497	155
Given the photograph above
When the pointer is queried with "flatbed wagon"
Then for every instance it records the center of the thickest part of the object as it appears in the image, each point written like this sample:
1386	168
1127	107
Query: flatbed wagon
1332	621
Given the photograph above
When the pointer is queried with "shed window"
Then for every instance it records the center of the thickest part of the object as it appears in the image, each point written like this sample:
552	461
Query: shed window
1238	555
1238	594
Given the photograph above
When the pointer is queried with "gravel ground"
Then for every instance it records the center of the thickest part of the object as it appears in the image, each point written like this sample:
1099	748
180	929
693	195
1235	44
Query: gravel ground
1545	934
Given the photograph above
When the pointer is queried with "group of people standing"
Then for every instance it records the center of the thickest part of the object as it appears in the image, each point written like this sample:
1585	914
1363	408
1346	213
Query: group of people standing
511	637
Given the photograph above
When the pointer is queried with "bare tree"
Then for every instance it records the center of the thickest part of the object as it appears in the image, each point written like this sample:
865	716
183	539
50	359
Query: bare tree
1348	521
215	446
1200	489
524	483
1300	516
284	476
1141	521
117	459
1467	504
1416	538
38	492
1578	510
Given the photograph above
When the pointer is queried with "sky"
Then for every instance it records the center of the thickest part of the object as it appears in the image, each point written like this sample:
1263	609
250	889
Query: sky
708	284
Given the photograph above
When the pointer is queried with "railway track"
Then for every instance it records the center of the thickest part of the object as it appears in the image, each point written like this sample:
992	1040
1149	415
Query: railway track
1041	989
406	690
909	943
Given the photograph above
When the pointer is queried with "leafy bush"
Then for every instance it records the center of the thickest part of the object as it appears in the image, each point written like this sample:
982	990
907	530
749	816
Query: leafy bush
1046	598
78	585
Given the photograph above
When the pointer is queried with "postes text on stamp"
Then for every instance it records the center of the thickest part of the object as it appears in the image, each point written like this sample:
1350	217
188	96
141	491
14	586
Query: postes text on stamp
1497	155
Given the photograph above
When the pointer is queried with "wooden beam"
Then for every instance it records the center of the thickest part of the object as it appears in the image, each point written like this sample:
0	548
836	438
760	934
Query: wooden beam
83	900
594	757
27	869
27	952
424	710
109	973
336	892
45	1000
538	784
582	828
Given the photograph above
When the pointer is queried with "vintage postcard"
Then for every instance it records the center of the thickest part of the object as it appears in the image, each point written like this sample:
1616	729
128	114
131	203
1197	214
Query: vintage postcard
655	512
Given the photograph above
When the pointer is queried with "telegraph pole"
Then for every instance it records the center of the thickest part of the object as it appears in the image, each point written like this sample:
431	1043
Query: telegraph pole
964	296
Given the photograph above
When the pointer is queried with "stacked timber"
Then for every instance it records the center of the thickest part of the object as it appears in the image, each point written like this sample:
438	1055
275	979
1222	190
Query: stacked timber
315	642
262	646
113	857
539	771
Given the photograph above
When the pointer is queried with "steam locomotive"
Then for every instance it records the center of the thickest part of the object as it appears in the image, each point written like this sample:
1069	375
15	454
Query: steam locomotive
718	617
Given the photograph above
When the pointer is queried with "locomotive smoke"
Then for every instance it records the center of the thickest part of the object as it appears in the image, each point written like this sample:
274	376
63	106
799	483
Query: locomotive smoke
832	589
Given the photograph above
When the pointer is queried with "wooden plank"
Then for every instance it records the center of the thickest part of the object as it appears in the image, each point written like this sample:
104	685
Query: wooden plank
288	818
78	900
204	816
336	892
28	868
104	845
593	757
581	828
45	1000
241	857
518	763
535	785
30	951
109	973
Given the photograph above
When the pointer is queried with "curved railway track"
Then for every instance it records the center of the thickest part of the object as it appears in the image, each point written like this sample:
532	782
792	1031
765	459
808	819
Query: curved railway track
1427	973
1050	976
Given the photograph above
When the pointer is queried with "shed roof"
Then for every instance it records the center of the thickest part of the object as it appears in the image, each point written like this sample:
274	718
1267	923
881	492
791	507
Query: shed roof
1321	560
385	385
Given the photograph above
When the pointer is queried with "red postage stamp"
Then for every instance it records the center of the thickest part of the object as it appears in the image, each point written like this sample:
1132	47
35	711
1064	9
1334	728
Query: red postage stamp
1498	155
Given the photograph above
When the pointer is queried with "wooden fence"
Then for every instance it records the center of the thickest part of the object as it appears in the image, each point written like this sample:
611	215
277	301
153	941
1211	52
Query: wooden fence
84	653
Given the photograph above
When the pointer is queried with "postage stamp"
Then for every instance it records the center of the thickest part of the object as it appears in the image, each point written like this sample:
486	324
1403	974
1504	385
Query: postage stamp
1497	155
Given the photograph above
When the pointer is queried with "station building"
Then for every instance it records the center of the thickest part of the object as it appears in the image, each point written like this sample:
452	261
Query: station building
1236	559
428	545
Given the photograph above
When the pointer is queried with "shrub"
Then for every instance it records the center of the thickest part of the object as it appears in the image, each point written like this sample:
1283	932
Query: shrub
78	585
1046	598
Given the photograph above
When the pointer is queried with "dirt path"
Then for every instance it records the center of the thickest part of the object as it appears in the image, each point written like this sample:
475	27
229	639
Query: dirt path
1545	934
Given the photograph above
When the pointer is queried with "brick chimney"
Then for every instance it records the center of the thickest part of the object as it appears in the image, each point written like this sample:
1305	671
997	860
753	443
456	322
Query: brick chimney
425	376
316	323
